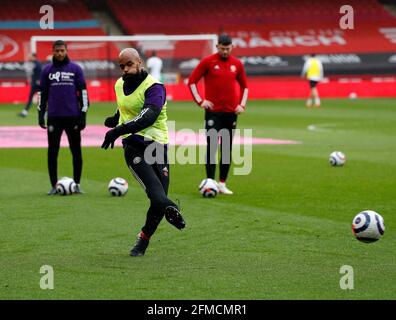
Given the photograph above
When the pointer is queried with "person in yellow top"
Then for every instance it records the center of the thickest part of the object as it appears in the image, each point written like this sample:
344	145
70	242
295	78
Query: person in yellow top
313	72
141	121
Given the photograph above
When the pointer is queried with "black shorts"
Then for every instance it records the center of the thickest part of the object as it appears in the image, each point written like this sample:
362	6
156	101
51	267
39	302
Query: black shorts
56	126
313	83
220	120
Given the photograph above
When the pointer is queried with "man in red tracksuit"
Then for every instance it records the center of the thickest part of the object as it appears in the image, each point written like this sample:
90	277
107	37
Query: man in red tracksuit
223	103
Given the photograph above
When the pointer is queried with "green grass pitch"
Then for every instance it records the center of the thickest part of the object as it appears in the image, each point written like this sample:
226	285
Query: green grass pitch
284	234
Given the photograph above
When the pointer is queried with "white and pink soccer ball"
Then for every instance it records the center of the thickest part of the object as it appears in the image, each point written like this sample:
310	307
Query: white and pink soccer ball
208	188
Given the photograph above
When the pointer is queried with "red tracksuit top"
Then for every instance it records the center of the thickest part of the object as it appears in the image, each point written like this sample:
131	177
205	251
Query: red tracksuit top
221	78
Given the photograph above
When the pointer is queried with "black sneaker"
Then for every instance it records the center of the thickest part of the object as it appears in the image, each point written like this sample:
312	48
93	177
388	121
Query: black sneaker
78	189
140	247
174	217
52	192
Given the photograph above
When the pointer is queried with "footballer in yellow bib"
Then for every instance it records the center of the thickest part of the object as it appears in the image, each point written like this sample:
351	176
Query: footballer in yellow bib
313	72
141	121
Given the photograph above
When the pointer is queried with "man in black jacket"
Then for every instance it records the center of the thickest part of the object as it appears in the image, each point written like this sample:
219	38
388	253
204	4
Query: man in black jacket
64	98
34	83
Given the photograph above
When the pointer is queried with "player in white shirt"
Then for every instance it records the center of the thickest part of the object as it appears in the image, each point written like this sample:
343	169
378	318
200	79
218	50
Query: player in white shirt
154	64
313	72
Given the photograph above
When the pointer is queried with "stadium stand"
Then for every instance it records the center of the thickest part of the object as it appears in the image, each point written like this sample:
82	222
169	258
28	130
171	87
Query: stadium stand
213	15
270	36
20	20
266	27
14	10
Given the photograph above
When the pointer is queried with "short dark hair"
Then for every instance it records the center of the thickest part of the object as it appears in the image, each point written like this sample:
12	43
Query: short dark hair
59	43
224	39
313	54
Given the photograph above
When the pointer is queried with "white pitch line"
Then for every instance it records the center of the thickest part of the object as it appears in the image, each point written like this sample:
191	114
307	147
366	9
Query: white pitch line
322	127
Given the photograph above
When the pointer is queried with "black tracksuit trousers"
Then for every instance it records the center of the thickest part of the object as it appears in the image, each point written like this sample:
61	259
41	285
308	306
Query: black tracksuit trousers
152	175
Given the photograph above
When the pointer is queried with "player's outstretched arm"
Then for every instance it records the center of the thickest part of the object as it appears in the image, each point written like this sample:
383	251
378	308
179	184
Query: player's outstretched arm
155	98
143	120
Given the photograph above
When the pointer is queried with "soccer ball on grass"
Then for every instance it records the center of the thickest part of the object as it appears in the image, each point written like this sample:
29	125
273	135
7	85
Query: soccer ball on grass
65	186
368	226
118	187
208	188
337	159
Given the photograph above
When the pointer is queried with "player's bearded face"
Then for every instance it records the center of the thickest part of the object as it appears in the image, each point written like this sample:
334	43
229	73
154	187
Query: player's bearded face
59	53
130	67
224	51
